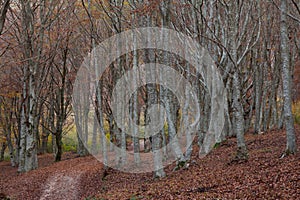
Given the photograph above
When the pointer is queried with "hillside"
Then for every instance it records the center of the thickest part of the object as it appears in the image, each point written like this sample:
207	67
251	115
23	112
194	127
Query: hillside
264	176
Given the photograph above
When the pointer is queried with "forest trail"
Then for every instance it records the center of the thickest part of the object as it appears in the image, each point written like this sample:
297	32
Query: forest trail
265	175
62	186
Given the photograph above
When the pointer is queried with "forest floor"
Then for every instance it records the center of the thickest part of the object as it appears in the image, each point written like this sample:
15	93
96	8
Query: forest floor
264	176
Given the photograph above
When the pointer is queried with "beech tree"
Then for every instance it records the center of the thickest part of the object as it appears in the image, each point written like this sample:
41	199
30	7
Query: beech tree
286	81
28	139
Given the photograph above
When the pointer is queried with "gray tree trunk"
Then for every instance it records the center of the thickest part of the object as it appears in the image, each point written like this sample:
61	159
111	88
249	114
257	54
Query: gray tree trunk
238	112
286	81
258	78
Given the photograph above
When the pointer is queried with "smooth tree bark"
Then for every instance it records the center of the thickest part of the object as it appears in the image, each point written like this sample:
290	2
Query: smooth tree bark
28	152
258	86
286	82
236	93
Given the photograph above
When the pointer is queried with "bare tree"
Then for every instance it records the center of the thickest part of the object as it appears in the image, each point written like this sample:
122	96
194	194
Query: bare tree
286	81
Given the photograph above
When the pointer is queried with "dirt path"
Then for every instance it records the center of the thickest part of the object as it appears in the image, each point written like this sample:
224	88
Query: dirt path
60	180
62	186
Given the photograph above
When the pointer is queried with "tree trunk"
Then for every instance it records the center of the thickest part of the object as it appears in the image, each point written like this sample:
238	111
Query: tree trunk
23	130
258	83
238	112
3	147
286	81
136	141
10	145
239	119
58	140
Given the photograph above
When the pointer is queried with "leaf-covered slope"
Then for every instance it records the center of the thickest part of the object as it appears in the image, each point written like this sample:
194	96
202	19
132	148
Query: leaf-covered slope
265	176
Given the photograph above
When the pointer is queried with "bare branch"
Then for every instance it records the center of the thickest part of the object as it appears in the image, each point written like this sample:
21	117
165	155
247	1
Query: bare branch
287	13
3	12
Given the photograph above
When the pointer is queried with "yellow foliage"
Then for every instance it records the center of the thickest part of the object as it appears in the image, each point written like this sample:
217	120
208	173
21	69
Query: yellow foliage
11	94
107	135
2	139
296	112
